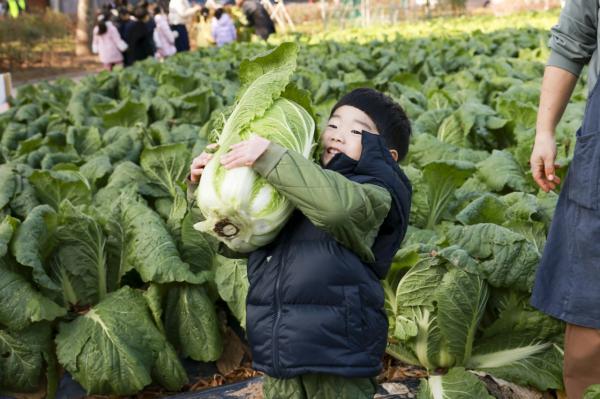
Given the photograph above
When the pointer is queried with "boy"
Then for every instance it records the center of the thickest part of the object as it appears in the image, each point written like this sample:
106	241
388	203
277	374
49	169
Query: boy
316	322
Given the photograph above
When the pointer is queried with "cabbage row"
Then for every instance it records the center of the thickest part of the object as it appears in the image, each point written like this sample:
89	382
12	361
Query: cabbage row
103	275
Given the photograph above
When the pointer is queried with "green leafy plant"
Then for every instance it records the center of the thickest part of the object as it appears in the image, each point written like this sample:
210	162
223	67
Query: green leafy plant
98	248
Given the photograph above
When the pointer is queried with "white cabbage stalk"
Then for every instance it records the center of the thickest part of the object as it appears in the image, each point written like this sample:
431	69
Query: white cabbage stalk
241	208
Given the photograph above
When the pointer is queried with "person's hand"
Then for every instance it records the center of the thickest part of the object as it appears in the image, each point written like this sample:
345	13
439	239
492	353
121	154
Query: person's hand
200	162
542	163
245	153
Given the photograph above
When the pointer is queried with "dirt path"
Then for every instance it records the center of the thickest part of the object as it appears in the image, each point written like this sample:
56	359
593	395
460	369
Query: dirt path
75	75
86	66
65	65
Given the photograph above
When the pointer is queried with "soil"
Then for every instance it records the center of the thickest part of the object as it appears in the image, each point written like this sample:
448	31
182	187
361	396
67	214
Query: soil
252	391
62	64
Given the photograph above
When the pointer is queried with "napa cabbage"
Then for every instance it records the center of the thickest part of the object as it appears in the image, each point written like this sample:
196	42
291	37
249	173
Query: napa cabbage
240	207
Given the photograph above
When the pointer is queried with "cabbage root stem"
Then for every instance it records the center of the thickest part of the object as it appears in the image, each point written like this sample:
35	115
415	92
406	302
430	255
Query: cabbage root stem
225	228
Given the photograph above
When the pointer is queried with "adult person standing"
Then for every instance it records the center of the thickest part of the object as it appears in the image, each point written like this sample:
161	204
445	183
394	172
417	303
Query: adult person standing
568	280
180	11
138	38
257	17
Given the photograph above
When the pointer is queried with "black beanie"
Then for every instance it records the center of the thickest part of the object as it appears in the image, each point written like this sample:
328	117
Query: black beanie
388	116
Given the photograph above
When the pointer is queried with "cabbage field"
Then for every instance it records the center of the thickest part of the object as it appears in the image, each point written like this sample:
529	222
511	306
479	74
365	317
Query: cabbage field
103	276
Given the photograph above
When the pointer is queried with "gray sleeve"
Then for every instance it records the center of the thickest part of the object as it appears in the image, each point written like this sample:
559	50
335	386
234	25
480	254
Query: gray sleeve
574	39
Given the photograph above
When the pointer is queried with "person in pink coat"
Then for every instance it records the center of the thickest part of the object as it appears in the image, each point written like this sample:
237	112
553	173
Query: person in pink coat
107	43
164	37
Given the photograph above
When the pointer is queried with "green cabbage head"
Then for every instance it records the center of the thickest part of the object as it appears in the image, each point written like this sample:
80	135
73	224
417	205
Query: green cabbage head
240	207
439	309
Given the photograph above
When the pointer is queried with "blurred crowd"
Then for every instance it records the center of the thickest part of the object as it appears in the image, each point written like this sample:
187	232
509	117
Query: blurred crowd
126	33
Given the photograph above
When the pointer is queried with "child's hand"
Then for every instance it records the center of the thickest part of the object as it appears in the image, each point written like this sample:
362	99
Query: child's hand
200	162
245	153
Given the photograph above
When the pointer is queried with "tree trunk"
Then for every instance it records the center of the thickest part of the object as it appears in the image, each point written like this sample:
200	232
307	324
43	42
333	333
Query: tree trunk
84	27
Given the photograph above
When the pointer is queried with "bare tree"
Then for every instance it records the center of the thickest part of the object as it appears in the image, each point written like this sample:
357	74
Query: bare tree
84	27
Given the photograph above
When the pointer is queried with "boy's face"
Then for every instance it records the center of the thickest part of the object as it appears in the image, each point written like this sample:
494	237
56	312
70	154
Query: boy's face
343	133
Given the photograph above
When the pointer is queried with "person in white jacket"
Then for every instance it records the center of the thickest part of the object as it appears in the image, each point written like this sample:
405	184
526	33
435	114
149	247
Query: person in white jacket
180	12
164	37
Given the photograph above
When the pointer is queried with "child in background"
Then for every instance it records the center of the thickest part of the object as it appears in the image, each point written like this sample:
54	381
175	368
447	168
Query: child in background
164	37
203	35
223	30
107	42
138	37
315	317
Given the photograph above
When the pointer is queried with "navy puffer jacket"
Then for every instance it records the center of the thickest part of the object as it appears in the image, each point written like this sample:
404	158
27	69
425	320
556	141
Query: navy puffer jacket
314	305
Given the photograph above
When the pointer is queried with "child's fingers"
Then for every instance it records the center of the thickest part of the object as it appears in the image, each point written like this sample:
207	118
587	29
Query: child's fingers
196	172
232	154
201	160
195	175
211	148
234	162
237	145
205	159
230	159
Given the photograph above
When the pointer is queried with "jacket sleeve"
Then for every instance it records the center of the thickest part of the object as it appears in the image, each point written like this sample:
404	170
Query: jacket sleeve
351	212
573	40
